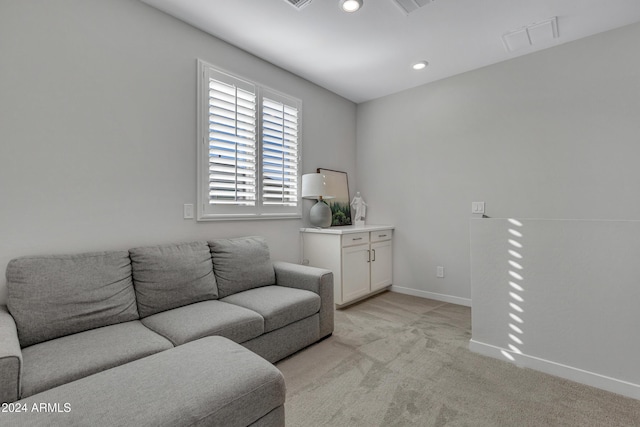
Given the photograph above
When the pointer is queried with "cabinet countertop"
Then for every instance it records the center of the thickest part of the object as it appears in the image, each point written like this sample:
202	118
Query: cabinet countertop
347	229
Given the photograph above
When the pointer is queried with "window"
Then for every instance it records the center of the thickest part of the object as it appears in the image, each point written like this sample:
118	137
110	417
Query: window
248	149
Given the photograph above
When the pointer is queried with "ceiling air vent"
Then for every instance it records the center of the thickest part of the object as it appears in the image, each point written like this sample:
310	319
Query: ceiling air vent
408	6
539	33
298	4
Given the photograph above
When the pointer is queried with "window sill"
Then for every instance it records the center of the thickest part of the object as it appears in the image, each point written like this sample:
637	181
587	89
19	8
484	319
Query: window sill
212	217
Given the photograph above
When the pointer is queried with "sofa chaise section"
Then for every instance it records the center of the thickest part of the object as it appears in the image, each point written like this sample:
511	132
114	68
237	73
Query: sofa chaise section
208	382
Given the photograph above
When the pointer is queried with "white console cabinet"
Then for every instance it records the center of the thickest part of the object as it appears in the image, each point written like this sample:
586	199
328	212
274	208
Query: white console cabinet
360	258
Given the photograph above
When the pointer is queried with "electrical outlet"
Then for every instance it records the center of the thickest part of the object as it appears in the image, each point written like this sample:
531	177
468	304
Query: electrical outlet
440	271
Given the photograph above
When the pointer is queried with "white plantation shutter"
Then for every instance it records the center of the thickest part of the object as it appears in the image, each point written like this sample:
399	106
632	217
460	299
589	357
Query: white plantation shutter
232	144
279	152
249	149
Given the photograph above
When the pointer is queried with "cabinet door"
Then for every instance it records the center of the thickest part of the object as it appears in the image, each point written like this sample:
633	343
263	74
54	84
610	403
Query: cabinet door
355	272
381	265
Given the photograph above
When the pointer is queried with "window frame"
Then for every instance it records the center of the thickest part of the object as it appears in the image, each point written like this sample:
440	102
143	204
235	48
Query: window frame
214	212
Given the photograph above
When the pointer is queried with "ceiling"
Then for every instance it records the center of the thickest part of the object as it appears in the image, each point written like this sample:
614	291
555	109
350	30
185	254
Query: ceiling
368	54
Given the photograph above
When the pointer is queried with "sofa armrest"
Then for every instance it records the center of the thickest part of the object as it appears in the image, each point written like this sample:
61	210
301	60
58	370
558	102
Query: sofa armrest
317	280
10	358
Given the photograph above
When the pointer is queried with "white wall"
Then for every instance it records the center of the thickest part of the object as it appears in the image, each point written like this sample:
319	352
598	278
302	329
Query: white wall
98	129
554	134
564	301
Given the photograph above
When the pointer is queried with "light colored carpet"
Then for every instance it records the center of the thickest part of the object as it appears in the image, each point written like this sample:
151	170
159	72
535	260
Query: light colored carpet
398	360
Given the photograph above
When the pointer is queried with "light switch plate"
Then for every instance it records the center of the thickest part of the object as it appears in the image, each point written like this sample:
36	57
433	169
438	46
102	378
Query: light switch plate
477	207
188	211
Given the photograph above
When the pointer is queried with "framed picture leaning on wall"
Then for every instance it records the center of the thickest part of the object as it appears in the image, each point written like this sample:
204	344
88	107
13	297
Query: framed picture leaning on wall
338	186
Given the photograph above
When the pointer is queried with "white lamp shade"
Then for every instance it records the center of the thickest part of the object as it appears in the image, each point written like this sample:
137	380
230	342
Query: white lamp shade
314	186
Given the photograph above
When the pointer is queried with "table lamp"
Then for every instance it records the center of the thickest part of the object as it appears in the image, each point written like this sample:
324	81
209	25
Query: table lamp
314	186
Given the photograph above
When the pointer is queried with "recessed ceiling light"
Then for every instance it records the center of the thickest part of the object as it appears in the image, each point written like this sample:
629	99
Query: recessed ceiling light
350	5
420	65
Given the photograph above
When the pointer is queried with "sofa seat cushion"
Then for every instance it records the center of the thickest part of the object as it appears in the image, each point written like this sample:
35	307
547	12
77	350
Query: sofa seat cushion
170	276
56	295
206	318
241	264
62	360
280	306
208	382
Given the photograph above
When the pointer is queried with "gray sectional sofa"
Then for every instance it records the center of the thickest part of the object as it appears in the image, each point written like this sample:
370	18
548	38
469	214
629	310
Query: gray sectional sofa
108	333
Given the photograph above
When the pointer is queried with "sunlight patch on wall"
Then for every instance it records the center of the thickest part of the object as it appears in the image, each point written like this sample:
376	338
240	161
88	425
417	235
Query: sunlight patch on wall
515	290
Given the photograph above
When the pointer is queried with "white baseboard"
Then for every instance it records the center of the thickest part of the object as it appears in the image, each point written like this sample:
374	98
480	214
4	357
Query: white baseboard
563	371
431	295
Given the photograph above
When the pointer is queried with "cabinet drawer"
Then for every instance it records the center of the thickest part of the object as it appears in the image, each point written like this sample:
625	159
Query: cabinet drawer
354	239
378	236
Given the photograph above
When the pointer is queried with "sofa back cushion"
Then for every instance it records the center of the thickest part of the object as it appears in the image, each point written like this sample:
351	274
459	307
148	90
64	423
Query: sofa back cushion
53	296
241	264
171	276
